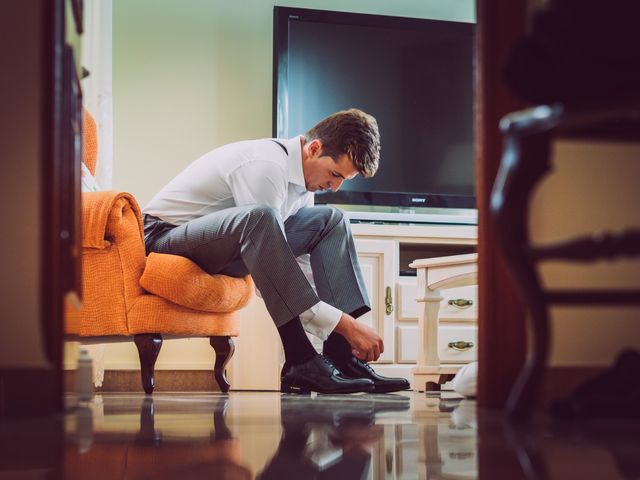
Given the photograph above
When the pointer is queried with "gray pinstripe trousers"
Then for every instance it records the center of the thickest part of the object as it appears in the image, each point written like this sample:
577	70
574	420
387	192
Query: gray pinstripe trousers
253	239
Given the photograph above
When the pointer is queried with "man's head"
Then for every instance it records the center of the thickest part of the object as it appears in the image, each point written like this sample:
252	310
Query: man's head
338	148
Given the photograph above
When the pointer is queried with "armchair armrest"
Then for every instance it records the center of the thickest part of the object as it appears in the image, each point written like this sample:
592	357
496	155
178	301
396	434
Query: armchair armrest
103	214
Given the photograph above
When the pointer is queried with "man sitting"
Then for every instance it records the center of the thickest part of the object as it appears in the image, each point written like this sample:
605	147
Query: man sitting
247	208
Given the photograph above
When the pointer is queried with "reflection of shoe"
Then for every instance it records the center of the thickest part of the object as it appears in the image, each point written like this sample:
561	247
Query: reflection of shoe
354	368
327	411
320	375
390	403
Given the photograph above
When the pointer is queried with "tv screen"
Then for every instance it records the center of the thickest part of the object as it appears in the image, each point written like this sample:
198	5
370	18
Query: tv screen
414	75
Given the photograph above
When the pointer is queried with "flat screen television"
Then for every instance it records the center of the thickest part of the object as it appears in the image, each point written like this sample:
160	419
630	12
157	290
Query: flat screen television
415	76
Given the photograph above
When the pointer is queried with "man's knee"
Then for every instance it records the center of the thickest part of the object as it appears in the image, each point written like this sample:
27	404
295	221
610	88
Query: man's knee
330	215
263	215
261	211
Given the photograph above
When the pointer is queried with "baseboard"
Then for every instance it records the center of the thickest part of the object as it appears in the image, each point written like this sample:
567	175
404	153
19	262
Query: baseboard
165	381
33	392
559	381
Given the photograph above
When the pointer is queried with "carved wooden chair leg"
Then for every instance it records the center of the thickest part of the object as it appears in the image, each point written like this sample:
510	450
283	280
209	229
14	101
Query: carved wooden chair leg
224	348
525	160
149	345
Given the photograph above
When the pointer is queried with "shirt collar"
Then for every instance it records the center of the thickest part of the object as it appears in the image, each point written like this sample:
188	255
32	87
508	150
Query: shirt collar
294	160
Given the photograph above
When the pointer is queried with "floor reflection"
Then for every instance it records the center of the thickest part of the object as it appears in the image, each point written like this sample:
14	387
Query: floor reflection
269	436
103	441
247	435
450	442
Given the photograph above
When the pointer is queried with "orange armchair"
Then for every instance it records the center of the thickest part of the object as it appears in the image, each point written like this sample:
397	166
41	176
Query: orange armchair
126	294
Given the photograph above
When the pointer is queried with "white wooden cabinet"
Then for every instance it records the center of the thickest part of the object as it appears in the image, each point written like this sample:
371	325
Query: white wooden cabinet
439	342
395	311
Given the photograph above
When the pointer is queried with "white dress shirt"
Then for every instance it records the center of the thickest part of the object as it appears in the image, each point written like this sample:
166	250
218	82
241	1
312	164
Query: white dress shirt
252	172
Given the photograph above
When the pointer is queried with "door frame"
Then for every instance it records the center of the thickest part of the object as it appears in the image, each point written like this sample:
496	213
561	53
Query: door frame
501	326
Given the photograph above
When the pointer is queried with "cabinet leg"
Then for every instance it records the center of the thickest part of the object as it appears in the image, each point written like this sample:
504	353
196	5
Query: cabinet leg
430	382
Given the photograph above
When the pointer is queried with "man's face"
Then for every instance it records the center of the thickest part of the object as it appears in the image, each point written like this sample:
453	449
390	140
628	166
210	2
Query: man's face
322	172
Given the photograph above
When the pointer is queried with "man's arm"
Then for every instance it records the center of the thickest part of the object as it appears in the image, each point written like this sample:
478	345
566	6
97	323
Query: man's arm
260	182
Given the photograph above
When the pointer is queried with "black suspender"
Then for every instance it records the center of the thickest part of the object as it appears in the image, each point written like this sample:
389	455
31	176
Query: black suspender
281	146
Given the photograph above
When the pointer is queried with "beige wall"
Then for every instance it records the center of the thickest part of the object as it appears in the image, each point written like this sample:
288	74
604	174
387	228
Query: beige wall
20	154
593	189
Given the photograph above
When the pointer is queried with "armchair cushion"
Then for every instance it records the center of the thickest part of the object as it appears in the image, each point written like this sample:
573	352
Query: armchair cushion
183	282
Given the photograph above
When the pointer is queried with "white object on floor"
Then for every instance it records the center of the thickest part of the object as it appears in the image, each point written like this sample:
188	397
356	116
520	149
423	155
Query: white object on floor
84	374
466	380
96	352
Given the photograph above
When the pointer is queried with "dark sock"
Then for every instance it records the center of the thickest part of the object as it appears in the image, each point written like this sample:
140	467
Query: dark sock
337	348
297	347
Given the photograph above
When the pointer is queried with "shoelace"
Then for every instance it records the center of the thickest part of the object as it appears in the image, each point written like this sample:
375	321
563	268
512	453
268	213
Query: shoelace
365	365
328	362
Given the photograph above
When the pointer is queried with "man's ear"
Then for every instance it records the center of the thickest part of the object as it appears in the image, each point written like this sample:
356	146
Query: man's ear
315	146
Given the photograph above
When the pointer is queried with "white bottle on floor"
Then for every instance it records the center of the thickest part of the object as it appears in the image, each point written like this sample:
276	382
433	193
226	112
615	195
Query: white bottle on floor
84	377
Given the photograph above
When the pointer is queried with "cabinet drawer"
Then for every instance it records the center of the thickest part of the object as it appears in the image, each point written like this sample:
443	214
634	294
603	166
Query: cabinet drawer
407	346
457	333
453	312
408	307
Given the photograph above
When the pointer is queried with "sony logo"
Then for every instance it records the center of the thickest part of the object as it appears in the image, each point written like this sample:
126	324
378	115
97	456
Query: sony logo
418	200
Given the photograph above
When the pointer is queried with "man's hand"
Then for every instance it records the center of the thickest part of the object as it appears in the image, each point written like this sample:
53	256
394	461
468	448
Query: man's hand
366	343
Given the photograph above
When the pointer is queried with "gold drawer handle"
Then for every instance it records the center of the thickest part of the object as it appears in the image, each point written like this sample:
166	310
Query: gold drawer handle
461	302
388	302
461	346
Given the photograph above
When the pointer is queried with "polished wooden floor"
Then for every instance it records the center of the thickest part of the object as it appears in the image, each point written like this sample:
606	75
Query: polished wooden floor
267	435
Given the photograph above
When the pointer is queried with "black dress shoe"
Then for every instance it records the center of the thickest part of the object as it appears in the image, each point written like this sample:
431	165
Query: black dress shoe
320	375
354	368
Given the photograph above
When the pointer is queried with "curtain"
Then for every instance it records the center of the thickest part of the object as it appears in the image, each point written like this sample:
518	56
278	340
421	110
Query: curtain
96	88
97	98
